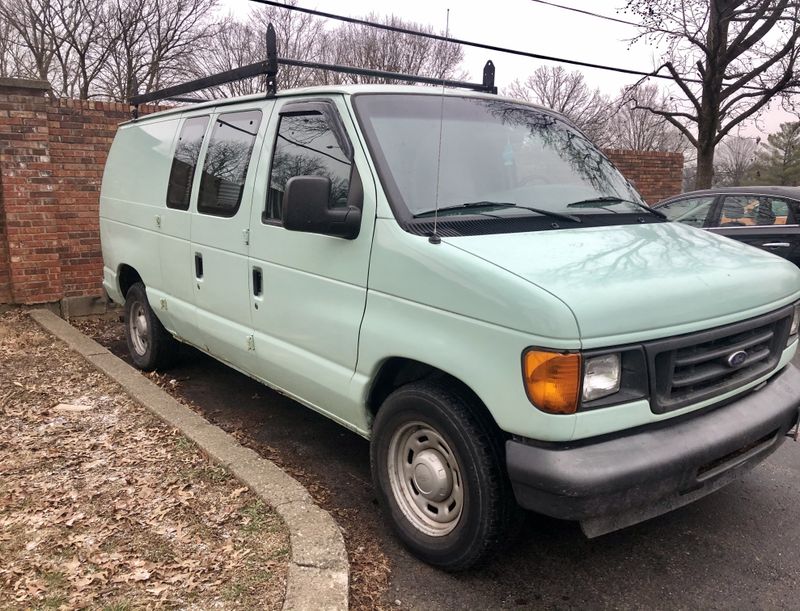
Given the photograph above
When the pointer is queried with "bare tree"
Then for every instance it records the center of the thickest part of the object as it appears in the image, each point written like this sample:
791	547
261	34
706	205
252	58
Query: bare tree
115	48
129	21
29	20
735	160
157	42
743	53
567	93
83	43
14	59
299	36
304	37
635	129
366	47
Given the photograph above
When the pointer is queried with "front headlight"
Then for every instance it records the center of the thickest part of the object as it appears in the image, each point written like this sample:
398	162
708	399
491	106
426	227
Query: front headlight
601	376
795	321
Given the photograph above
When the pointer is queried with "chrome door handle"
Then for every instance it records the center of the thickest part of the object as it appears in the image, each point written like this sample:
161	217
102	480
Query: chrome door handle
777	244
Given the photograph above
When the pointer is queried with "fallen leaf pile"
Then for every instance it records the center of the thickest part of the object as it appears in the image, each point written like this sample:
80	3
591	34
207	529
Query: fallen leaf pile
369	566
102	506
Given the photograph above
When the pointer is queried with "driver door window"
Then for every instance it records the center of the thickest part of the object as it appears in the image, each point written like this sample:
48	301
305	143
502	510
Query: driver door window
306	146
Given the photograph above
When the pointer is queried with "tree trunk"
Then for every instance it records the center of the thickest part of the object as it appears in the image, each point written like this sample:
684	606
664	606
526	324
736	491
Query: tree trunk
705	167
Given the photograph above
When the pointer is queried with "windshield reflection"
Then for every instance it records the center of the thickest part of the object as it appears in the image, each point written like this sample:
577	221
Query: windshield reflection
491	150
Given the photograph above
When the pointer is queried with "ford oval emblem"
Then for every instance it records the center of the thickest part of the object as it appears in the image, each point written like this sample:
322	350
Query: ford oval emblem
737	359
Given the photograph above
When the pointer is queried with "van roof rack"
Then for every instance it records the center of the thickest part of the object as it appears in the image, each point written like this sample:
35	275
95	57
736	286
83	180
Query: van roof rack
269	67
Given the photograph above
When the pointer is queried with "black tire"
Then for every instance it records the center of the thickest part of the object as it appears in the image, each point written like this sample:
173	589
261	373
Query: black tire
150	345
488	511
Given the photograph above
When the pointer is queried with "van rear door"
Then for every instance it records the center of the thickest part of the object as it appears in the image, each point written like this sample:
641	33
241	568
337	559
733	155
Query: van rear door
219	232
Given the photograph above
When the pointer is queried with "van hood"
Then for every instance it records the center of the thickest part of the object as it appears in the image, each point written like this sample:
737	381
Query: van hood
634	282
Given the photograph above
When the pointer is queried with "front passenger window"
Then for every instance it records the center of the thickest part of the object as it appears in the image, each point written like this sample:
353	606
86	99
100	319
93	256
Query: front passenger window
692	211
306	146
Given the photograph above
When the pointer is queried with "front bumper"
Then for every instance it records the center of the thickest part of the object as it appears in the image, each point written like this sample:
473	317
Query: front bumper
615	482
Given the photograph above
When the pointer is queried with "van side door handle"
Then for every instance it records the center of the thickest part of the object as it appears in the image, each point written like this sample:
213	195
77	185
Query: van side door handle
198	265
258	282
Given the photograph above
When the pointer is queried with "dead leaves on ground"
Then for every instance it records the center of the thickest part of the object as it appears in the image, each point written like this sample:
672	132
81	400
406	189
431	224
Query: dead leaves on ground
102	506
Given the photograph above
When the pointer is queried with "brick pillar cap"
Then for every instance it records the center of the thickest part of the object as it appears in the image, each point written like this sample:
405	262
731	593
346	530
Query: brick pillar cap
24	83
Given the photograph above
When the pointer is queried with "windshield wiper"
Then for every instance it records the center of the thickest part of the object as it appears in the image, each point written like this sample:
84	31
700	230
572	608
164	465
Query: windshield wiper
590	203
490	204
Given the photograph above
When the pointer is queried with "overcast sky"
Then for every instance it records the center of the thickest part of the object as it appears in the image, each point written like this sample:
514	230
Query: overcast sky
529	26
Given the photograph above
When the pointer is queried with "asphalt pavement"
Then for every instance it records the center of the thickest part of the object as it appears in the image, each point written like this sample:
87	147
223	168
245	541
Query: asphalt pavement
737	548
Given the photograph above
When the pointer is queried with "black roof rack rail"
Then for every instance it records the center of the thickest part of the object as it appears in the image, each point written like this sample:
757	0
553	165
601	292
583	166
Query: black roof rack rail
269	67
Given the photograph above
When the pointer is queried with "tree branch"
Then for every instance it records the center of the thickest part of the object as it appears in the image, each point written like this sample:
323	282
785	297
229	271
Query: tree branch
682	84
790	47
670	116
781	84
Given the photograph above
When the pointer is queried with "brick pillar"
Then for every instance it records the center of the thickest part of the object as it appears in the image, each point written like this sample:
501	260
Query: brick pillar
656	175
28	206
5	272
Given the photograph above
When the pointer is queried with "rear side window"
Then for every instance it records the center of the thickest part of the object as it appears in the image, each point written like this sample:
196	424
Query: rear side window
179	191
692	211
306	146
743	210
226	162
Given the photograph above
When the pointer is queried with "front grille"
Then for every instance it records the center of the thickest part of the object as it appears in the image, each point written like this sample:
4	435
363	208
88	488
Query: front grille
695	367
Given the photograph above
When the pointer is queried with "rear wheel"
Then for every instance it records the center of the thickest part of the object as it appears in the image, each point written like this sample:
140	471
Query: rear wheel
438	470
150	345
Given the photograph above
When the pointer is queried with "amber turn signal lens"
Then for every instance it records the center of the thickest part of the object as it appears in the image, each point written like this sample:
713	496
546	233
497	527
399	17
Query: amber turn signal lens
552	380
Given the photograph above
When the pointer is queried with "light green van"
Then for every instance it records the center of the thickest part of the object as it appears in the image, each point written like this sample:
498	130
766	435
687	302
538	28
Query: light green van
469	283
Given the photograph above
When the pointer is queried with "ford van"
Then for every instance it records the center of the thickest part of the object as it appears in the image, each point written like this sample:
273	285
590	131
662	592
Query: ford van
469	283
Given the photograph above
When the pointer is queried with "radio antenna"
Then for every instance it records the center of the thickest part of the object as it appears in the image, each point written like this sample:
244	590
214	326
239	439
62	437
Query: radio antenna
434	237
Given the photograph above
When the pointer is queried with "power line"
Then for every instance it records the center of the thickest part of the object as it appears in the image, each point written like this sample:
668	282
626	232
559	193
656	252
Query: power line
460	41
590	13
488	47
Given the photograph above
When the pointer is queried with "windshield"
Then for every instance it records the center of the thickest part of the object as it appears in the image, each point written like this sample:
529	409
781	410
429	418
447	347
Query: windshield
491	151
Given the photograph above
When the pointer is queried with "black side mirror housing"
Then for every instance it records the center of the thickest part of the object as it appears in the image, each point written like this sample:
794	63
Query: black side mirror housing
306	208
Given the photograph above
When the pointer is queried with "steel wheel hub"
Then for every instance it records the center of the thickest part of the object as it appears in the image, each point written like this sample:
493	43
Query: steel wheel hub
137	326
425	478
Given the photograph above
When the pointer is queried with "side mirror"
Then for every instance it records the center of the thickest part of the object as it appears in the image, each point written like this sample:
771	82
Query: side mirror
305	208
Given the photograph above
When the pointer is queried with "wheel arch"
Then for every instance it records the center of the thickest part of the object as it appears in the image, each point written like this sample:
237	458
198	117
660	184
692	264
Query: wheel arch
127	276
396	371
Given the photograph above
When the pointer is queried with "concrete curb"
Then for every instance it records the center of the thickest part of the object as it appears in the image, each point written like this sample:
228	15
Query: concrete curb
319	573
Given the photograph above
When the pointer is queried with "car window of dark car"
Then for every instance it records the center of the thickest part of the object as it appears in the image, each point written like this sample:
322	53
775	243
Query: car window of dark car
691	211
748	210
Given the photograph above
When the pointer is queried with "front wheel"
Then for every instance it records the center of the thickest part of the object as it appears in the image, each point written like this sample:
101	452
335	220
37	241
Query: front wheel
438	471
150	345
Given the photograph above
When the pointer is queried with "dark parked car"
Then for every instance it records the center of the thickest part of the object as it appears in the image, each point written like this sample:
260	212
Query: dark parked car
765	217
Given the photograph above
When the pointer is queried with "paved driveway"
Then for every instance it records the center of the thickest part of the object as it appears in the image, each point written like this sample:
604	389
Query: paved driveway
738	548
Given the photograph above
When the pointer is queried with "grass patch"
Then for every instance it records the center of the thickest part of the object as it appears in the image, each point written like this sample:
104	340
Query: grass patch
55	579
53	601
248	585
184	445
120	605
211	474
256	517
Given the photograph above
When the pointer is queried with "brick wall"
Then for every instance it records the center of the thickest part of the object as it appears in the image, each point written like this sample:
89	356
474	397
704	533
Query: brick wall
5	280
28	204
80	134
655	175
52	154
